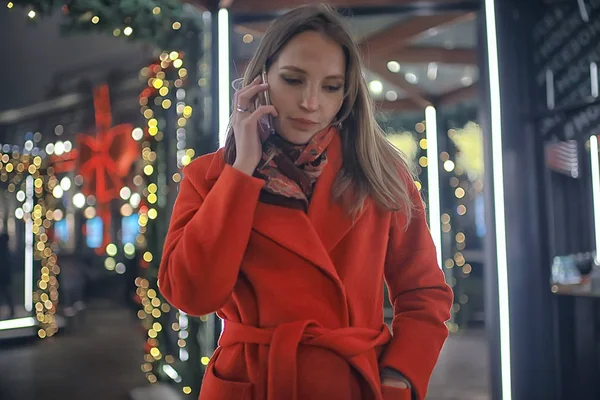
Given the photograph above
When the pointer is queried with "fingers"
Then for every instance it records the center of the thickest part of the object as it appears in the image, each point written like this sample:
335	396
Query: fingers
261	111
244	97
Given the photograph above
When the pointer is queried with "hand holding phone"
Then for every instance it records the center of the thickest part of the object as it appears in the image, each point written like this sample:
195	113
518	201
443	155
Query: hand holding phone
246	124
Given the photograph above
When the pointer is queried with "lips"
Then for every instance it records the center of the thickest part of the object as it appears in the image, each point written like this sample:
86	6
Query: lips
303	121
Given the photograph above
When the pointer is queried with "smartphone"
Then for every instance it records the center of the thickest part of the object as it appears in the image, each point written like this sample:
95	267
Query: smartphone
267	122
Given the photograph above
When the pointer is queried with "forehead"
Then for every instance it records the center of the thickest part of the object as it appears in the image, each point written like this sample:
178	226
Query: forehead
314	53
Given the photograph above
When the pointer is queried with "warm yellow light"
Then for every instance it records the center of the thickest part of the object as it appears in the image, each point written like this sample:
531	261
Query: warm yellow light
174	55
116	32
128	31
163	91
423	161
152	198
156	10
152	188
110	264
148	170
166	103
205	360
95	19
176	25
111	249
187	390
423	143
248	38
152	213
445	219
459	193
148	256
154	352
178	63
10	4
89	212
31	14
157	83
129	249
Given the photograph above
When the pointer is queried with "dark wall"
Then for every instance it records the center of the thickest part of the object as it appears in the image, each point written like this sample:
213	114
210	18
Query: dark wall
36	56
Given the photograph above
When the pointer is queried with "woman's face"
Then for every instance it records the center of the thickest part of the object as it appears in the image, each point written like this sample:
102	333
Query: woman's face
306	85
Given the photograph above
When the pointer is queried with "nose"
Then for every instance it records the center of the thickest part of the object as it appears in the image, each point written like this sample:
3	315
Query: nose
310	99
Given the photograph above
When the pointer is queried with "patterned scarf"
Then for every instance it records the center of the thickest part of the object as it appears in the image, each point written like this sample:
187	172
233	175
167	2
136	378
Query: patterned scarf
290	171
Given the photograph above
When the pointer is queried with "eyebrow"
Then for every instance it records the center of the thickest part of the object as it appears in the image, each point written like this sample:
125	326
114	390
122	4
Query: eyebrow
300	70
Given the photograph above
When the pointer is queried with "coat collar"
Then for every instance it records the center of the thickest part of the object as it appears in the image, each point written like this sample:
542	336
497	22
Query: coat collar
311	235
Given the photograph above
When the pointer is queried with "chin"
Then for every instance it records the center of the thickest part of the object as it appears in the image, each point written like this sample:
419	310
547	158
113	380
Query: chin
296	136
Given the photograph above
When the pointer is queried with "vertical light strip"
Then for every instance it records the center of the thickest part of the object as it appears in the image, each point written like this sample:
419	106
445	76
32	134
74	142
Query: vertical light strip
595	159
498	185
223	49
594	78
28	301
550	90
224	78
433	180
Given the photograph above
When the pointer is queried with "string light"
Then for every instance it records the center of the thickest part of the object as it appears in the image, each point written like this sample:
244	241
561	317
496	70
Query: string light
32	181
467	171
164	91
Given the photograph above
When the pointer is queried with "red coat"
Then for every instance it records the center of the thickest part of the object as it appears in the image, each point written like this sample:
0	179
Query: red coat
302	293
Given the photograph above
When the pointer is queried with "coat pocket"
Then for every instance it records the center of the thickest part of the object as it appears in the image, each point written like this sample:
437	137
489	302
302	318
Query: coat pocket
393	393
217	388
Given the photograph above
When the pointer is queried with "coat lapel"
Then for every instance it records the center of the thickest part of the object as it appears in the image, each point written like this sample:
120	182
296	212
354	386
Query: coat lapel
293	230
330	220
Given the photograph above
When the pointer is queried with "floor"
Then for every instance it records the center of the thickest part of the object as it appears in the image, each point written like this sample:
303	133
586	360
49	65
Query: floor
462	370
99	359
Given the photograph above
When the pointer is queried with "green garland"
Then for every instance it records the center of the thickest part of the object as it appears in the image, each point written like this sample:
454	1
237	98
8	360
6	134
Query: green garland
164	23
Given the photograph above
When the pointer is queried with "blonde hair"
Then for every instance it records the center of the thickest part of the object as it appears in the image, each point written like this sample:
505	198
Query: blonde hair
371	165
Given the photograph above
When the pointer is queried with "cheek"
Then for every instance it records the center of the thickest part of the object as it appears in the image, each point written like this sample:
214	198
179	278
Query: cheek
334	105
279	97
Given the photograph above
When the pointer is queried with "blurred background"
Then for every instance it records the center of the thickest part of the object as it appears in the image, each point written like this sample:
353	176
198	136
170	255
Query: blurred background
103	104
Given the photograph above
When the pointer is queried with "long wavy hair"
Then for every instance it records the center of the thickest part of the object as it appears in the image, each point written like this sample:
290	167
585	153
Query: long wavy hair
371	165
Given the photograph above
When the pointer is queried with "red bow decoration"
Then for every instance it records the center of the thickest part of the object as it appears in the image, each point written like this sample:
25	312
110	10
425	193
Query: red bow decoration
105	160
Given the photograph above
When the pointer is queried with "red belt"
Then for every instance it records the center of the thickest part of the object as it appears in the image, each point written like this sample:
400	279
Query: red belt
285	339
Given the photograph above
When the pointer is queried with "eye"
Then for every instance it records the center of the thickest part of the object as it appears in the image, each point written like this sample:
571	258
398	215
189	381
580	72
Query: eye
332	88
292	81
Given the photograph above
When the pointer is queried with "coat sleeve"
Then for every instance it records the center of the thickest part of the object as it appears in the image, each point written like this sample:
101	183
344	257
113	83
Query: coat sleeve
420	298
207	238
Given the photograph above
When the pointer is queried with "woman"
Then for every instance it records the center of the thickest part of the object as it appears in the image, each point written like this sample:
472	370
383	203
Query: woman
289	237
